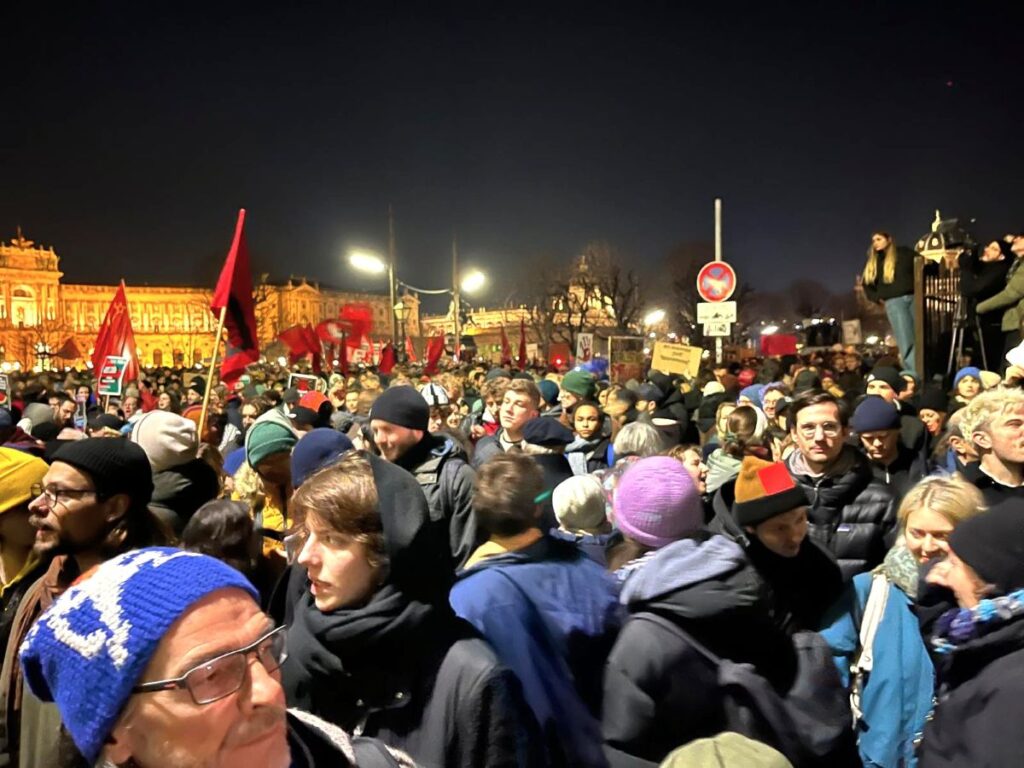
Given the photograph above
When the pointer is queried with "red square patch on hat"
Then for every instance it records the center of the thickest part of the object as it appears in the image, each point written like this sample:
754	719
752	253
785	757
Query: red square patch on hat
776	479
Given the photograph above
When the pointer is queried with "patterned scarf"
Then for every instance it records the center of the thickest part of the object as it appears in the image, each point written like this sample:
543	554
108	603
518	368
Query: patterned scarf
959	625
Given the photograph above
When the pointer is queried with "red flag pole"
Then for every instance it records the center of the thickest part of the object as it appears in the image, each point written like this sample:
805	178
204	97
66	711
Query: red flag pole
213	369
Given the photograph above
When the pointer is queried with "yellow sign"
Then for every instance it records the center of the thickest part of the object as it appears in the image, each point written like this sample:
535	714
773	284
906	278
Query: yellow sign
676	358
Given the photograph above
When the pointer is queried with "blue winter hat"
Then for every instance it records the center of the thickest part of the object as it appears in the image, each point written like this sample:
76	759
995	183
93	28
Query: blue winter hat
88	650
963	373
753	393
317	449
548	391
875	414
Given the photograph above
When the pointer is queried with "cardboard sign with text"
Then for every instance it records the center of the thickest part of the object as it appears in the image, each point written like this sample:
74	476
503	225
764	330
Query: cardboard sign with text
304	382
111	374
584	347
676	358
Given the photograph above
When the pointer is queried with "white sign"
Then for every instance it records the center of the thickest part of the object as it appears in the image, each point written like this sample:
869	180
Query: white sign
532	351
716	312
852	332
584	347
717	329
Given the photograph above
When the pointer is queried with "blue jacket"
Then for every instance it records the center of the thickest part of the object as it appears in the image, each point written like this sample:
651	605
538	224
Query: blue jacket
897	694
552	615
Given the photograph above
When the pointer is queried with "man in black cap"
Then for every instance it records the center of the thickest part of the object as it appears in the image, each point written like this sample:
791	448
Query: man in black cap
399	419
196	391
877	424
92	504
886	382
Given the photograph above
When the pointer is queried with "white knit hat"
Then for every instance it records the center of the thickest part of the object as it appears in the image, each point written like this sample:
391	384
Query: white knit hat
167	438
579	504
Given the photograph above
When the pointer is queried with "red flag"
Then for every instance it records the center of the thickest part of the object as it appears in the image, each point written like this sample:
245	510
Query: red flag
69	350
522	344
506	348
234	291
434	351
387	359
314	347
410	351
116	337
295	338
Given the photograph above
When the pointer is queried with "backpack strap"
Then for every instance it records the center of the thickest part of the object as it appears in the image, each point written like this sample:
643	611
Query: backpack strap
863	662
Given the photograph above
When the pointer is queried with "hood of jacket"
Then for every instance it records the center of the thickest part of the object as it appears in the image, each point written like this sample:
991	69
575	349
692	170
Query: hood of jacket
433	450
689	573
185	488
721	469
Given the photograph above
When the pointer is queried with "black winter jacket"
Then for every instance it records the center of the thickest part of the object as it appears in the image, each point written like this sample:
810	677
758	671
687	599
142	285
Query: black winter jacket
659	692
980	690
903	281
442	469
995	494
851	514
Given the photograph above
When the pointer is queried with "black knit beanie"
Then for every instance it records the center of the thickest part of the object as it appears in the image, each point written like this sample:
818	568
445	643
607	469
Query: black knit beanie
402	406
114	464
992	543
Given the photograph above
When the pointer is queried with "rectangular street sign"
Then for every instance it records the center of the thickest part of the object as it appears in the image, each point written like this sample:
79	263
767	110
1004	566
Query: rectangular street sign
716	329
716	312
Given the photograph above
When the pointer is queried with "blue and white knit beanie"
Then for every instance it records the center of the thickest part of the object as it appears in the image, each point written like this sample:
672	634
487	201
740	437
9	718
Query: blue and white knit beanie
87	651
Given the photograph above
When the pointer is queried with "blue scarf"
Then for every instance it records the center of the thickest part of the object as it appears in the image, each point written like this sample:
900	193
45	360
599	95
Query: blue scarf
959	625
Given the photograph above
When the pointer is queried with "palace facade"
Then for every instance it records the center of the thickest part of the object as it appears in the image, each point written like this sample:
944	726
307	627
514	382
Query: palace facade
173	326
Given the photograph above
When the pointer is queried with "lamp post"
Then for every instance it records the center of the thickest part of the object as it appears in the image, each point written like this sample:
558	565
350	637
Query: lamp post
401	313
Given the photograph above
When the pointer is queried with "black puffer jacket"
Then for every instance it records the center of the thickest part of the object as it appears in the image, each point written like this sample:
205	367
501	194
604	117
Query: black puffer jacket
980	690
852	514
659	692
903	281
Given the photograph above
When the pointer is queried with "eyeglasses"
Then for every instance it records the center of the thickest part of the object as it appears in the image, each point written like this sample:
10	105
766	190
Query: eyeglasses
55	495
828	429
220	677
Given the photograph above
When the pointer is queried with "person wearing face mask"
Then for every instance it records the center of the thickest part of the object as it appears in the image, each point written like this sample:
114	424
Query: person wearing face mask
978	647
893	692
588	452
374	646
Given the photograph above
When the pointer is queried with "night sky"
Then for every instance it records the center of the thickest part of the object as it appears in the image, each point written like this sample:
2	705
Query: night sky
130	135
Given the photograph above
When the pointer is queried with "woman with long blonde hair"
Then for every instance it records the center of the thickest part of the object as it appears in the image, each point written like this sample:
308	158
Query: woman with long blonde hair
888	278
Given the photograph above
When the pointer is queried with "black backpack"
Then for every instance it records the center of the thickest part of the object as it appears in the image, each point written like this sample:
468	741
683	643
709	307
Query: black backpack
810	725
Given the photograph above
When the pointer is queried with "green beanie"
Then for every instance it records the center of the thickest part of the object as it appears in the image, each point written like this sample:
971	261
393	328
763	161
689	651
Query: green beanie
580	383
266	438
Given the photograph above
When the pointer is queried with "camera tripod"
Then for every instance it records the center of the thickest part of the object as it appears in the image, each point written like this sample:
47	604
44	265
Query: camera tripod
956	345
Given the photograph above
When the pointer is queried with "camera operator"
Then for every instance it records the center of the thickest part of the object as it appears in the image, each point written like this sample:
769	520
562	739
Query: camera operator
982	276
1011	298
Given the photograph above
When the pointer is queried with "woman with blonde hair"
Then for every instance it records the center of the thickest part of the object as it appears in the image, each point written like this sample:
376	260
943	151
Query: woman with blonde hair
874	633
888	279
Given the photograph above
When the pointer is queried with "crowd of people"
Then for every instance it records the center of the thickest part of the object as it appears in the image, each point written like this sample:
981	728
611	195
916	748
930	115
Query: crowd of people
801	561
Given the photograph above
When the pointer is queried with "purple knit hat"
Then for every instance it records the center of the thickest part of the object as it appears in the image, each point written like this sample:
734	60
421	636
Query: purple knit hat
656	502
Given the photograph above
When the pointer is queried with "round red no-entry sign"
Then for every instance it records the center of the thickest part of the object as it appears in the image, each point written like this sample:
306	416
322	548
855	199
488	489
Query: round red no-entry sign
716	281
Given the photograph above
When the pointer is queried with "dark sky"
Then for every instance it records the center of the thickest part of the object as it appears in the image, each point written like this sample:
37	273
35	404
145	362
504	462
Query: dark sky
130	134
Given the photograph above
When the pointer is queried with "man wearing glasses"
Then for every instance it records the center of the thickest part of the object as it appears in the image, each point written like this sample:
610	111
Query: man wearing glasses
163	658
90	505
851	514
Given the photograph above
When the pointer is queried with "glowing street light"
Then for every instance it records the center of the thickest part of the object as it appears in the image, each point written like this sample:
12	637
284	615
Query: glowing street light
367	261
768	330
473	281
654	317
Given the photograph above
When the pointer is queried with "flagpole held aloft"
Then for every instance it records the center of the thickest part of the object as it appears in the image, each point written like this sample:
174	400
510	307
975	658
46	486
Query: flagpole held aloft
210	374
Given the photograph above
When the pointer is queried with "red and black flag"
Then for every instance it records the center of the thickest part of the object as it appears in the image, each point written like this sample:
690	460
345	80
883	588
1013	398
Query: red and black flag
234	291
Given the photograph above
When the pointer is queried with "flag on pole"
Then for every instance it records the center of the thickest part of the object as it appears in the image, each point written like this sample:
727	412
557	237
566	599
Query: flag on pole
522	344
387	359
298	343
410	351
234	291
68	350
506	348
116	337
434	351
343	356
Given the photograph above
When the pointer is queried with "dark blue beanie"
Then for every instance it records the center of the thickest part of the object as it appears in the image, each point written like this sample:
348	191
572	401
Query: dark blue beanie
875	414
315	450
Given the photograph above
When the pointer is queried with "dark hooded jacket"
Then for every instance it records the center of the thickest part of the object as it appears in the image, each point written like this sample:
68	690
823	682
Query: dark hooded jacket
905	471
981	685
851	514
402	668
799	590
659	692
552	615
179	491
672	404
442	469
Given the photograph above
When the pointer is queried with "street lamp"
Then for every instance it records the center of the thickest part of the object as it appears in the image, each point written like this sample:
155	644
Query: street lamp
473	281
654	317
401	314
371	263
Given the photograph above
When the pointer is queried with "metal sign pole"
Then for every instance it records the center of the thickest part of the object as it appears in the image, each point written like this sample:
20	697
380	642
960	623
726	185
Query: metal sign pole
718	257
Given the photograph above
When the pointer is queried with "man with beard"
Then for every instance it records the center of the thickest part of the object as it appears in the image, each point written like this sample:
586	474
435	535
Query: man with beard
170	680
90	506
